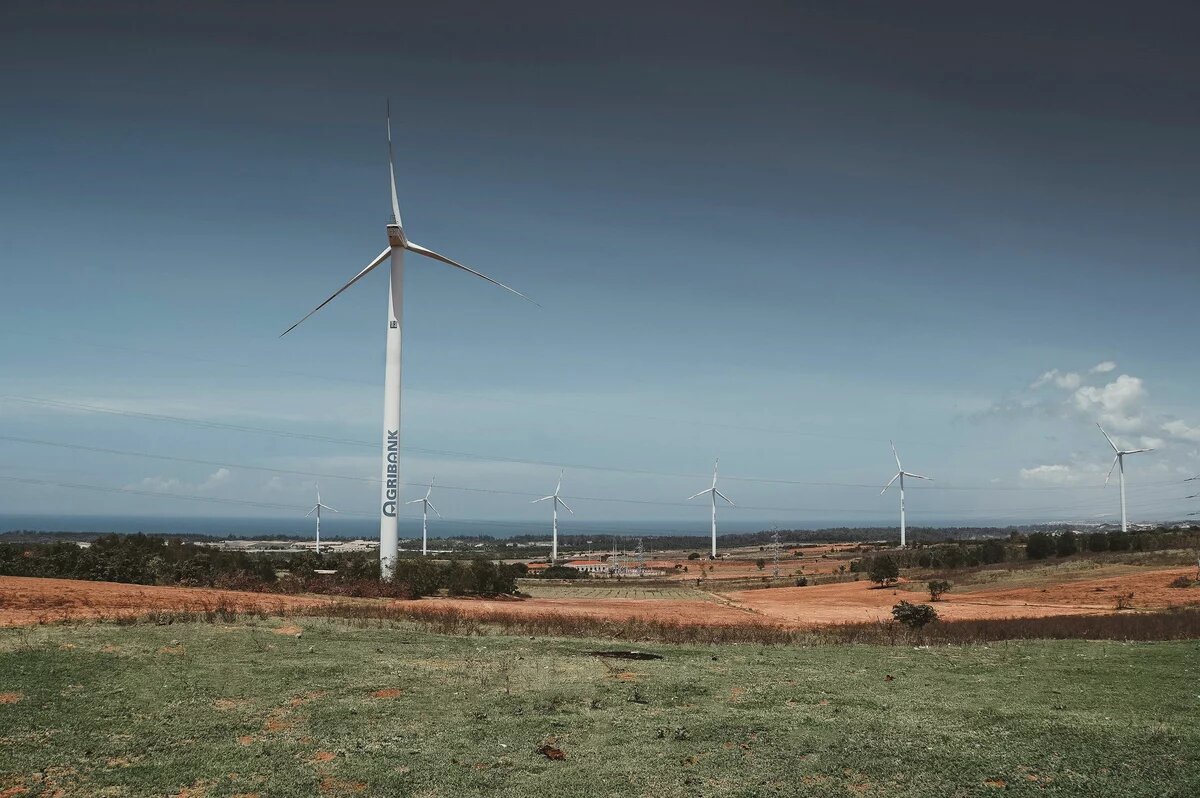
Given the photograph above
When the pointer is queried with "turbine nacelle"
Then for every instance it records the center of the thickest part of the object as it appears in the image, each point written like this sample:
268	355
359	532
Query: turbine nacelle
395	234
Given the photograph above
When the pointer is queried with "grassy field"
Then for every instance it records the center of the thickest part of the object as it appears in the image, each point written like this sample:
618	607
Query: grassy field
621	591
223	710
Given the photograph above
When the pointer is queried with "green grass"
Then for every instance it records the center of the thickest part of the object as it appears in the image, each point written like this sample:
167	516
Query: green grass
150	710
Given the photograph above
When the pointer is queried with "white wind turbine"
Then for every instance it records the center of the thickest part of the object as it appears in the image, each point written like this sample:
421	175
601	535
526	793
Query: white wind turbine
900	475
713	494
426	506
317	509
398	244
554	499
1119	460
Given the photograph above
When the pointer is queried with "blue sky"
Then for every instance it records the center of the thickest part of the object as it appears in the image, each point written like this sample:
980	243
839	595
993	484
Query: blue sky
779	238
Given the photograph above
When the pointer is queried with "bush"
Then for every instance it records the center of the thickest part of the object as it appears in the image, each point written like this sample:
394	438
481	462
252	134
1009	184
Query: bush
884	570
914	616
760	563
937	587
1183	580
1066	545
695	555
561	572
802	581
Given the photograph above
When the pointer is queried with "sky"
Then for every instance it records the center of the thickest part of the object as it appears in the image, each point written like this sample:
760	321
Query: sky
779	234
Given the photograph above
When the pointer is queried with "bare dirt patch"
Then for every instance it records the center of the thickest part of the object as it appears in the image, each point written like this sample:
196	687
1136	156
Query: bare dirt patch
848	602
390	692
11	698
290	630
31	600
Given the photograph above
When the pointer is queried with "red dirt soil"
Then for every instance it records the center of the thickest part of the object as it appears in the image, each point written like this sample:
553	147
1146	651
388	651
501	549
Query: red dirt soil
26	600
861	601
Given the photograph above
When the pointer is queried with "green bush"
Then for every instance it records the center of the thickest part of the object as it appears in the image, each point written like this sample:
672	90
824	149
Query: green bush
937	587
914	616
884	570
1039	546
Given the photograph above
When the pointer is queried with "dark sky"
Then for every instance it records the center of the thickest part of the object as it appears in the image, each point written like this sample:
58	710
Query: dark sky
851	220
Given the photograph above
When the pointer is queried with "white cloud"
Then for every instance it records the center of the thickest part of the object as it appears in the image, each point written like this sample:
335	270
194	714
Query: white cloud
1056	474
1068	380
1117	404
1103	368
1181	430
161	484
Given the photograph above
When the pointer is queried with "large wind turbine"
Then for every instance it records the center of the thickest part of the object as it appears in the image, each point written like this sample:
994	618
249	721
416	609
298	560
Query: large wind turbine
713	494
317	509
900	475
398	243
426	506
555	500
1119	460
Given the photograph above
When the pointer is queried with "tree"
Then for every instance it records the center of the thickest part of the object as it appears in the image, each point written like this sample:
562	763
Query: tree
1066	545
914	616
884	570
1039	546
937	587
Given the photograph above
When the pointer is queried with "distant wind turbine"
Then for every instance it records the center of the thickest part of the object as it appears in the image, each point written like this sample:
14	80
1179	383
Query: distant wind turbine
317	509
713	493
398	243
555	501
1119	460
900	475
426	506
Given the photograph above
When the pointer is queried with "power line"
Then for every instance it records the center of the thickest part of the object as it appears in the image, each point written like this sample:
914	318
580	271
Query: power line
207	424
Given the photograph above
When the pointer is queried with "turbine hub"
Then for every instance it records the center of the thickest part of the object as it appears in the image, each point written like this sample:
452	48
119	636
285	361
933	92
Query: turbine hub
395	234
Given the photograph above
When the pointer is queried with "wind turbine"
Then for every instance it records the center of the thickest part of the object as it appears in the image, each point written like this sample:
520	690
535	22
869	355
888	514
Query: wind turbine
398	244
426	506
900	475
317	509
555	500
713	494
1119	460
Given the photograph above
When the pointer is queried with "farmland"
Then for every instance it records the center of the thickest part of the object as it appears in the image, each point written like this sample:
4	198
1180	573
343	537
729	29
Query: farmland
318	707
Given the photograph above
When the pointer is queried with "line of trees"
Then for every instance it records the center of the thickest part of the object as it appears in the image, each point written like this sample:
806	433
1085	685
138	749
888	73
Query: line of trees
151	560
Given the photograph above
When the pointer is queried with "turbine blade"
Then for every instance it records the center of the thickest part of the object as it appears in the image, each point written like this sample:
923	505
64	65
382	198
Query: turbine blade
544	498
558	487
382	257
1136	451
415	501
310	512
327	507
897	456
701	493
392	170
917	476
435	510
429	253
1110	470
890	481
723	496
564	504
1105	434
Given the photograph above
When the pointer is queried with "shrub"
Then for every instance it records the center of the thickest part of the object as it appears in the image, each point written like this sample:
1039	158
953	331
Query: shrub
802	581
937	587
695	555
1125	601
760	563
1183	580
884	570
914	616
1066	545
561	572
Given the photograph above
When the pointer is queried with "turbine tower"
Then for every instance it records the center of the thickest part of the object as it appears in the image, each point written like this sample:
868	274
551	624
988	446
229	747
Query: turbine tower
713	494
555	501
398	244
1119	460
900	475
426	506
317	509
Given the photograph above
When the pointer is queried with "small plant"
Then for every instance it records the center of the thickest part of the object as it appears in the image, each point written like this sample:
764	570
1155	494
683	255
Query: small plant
802	581
1125	601
914	616
1185	581
937	587
760	563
